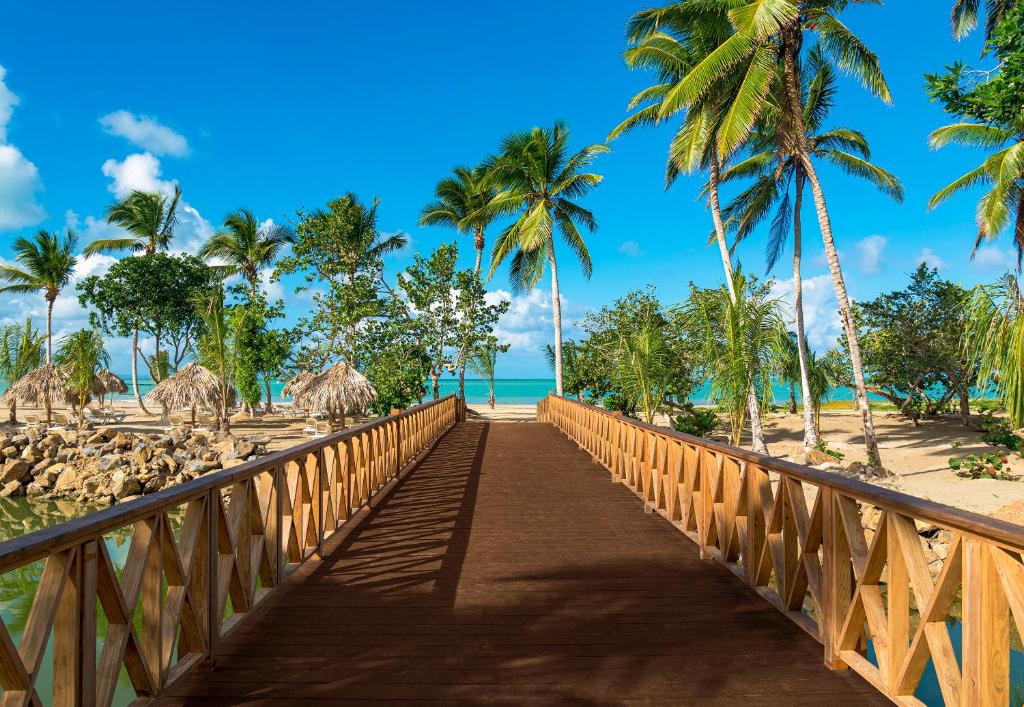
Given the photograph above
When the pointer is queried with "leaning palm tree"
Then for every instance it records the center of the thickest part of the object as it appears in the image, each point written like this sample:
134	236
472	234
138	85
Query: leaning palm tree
765	32
47	264
150	219
81	356
244	247
542	181
964	17
674	42
461	203
22	349
1003	171
779	185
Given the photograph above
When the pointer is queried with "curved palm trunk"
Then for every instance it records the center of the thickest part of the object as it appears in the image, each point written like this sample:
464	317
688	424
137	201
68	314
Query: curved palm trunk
135	370
758	443
810	421
478	243
791	80
556	315
49	349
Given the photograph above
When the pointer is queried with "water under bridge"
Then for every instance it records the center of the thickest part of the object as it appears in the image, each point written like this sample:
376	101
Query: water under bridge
585	557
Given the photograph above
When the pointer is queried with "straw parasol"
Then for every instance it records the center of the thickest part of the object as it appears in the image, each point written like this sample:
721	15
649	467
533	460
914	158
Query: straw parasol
295	384
45	385
341	389
192	386
111	383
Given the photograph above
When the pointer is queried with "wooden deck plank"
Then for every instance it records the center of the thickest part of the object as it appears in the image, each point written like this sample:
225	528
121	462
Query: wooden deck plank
508	568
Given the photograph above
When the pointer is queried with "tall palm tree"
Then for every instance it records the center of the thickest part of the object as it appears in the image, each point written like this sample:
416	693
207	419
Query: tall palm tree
674	42
764	32
462	201
542	182
150	219
1003	204
47	264
779	185
22	350
964	17
245	247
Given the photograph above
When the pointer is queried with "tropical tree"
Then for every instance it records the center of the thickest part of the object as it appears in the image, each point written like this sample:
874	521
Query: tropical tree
462	202
215	351
995	339
643	366
762	32
483	360
826	373
739	343
674	42
964	17
246	247
46	264
82	355
22	349
778	188
149	219
543	182
989	117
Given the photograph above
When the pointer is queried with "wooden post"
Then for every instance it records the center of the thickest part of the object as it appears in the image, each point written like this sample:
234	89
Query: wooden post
836	579
986	629
213	571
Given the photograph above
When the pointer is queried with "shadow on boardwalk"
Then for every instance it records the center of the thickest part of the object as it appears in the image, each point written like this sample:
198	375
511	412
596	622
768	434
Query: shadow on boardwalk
508	568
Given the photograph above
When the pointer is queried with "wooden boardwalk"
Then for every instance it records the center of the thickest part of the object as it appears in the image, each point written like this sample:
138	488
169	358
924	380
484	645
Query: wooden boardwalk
508	568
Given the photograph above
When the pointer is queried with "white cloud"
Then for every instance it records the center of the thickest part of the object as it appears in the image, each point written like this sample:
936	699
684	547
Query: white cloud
930	258
870	251
527	325
992	257
19	178
145	132
822	322
631	249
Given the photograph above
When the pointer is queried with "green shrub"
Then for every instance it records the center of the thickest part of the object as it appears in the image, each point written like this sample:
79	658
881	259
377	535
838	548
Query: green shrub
697	422
822	446
984	466
997	432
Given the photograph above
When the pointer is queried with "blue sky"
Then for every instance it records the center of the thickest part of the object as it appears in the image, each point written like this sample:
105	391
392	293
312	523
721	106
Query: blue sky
274	107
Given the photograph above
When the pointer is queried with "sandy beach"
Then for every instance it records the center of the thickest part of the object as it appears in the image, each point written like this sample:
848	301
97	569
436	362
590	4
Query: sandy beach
917	455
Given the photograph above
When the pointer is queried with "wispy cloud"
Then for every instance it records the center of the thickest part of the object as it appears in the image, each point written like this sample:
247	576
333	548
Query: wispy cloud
631	249
930	258
19	178
870	251
145	132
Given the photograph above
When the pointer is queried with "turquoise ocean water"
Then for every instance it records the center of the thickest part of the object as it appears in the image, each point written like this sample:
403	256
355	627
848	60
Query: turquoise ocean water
511	391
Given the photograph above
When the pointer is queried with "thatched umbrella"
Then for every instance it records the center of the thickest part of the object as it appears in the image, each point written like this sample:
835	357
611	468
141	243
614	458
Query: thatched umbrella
46	385
341	389
111	383
292	387
190	387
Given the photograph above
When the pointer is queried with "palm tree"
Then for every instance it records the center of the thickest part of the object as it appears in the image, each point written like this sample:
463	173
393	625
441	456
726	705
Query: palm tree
825	373
765	30
462	203
215	348
542	182
642	363
21	351
47	264
150	219
779	185
244	247
675	41
964	17
482	361
81	355
1003	204
739	344
995	339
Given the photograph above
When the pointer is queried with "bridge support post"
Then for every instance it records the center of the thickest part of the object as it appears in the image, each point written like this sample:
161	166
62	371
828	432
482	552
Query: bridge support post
837	579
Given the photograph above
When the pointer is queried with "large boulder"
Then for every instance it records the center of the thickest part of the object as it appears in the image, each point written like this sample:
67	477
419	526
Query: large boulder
9	452
68	480
122	485
197	467
11	488
15	470
111	461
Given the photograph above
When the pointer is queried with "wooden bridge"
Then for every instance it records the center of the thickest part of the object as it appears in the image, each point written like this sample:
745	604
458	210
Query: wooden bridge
583	558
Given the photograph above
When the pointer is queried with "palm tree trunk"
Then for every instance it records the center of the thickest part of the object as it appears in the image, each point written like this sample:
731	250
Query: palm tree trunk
556	316
12	414
135	370
792	399
478	243
810	422
462	381
49	329
758	443
791	80
270	402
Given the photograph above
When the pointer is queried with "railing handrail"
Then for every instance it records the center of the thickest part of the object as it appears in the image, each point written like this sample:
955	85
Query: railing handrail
993	529
45	541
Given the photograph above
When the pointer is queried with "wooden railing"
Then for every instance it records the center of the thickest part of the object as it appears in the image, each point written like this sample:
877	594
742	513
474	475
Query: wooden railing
201	557
843	559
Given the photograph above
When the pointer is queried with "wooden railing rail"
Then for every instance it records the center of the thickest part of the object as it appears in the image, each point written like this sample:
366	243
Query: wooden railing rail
201	557
875	575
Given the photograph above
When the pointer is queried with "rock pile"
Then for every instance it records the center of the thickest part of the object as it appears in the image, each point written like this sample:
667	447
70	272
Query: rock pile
108	466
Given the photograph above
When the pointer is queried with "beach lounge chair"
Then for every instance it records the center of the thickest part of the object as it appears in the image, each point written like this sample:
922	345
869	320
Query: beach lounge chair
31	420
205	420
176	420
61	420
316	428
